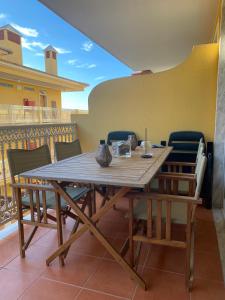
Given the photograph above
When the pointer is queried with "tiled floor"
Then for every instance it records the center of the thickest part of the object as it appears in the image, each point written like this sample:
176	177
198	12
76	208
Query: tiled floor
91	273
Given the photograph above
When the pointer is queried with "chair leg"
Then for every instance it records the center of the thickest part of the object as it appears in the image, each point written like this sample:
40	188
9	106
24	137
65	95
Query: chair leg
191	261
59	225
93	201
76	225
27	243
20	218
131	241
189	250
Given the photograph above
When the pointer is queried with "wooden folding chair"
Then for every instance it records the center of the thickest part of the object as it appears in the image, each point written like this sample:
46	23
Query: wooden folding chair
38	197
155	209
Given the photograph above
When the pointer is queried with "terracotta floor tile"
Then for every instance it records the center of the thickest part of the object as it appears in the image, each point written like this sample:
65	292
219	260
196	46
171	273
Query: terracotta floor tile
13	283
162	286
206	241
27	230
113	229
204	214
205	226
92	295
46	289
111	278
50	239
34	262
208	266
8	251
118	243
88	244
77	269
208	290
167	258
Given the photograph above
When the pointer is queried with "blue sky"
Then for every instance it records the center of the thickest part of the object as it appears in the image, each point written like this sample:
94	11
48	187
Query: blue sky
79	58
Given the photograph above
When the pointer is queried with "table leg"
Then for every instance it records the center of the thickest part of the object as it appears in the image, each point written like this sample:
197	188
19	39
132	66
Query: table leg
89	224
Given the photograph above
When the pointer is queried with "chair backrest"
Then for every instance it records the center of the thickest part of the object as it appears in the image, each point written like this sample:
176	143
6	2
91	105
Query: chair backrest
201	149
118	136
21	160
200	172
185	145
65	150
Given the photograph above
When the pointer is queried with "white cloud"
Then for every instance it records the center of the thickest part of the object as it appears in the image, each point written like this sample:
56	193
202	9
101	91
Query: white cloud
87	46
79	65
61	50
72	62
86	66
26	30
31	45
3	16
39	54
99	77
91	66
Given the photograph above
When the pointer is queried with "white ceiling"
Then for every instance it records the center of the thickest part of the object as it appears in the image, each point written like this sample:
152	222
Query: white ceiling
144	34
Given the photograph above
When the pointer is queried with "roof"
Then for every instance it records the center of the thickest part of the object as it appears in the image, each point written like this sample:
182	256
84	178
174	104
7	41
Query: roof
145	35
50	48
22	74
10	28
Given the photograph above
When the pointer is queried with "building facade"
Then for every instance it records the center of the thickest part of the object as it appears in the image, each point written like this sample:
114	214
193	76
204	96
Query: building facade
24	86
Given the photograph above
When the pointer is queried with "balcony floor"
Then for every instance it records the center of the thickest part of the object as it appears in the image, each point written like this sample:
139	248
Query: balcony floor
90	273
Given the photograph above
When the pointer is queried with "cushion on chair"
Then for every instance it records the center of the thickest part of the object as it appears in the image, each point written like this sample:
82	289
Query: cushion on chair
75	194
65	150
178	211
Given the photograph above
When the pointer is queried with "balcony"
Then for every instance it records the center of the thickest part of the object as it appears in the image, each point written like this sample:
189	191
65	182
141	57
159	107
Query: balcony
16	114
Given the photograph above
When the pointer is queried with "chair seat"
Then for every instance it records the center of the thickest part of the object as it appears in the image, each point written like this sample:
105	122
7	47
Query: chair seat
178	211
75	194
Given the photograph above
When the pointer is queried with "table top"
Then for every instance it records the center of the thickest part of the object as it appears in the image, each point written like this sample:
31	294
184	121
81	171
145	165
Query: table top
130	172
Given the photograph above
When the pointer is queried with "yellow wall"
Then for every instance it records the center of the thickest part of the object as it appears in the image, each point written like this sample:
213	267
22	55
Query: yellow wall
183	98
15	95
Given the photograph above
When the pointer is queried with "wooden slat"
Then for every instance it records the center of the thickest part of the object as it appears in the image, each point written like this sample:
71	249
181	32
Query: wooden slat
149	218
131	242
168	220
44	205
31	197
49	225
164	242
159	220
33	186
37	196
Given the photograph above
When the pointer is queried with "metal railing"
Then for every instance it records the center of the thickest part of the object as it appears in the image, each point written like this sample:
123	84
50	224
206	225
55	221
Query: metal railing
16	114
26	137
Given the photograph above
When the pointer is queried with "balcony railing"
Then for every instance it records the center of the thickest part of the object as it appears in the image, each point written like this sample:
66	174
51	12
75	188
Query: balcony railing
15	114
26	137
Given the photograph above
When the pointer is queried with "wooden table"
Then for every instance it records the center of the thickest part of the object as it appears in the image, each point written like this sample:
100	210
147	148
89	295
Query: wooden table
126	173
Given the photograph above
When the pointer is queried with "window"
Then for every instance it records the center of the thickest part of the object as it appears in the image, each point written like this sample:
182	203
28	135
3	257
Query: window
1	34
7	85
47	54
54	55
13	37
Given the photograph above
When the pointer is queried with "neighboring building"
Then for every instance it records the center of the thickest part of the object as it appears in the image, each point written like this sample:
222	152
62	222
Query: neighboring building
24	86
